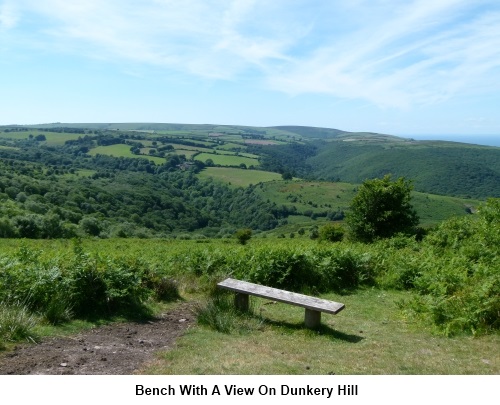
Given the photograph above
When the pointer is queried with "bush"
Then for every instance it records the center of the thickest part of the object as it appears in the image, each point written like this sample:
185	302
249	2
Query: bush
331	233
459	281
280	268
381	209
243	235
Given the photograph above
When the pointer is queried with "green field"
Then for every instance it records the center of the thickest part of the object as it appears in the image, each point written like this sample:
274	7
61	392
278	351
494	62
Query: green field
238	177
316	196
231	146
52	138
188	147
370	337
227	160
319	197
122	150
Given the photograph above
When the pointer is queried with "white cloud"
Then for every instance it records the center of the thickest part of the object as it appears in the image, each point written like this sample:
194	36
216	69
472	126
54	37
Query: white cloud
421	53
387	52
204	38
8	16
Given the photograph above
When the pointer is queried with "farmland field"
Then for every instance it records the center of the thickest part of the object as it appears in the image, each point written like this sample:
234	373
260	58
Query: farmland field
227	160
231	146
52	138
122	150
238	177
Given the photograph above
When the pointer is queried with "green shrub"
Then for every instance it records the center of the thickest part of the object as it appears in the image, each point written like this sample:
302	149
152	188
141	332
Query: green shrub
243	235
331	233
281	268
163	287
460	279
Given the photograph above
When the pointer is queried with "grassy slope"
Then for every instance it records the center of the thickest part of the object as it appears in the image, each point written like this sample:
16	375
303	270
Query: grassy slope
238	177
431	208
227	160
445	168
370	336
435	167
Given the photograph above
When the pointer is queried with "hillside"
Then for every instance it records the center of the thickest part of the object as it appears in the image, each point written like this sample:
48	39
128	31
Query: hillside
445	168
169	179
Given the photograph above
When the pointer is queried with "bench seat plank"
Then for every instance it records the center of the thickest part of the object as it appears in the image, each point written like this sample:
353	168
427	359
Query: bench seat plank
312	303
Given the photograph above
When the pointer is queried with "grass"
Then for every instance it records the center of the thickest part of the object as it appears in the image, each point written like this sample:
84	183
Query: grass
227	160
231	146
52	138
318	196
309	196
371	336
122	150
16	323
238	177
178	146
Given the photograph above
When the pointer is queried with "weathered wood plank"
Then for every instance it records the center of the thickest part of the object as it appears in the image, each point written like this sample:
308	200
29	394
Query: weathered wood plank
312	303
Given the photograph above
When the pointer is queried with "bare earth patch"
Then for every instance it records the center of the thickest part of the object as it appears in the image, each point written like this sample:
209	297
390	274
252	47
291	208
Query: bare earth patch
116	349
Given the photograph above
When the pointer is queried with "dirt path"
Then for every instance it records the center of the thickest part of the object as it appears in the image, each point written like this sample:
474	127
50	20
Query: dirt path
116	349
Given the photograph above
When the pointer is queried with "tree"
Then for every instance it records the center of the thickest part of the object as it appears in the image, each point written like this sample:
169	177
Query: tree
243	235
381	209
91	226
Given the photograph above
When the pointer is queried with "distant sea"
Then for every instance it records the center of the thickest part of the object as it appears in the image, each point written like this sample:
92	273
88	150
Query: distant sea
488	140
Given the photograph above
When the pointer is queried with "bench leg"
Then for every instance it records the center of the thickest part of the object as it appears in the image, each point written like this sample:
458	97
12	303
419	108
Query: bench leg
312	318
241	302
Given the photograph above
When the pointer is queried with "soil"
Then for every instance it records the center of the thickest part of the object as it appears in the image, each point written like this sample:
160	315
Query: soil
115	349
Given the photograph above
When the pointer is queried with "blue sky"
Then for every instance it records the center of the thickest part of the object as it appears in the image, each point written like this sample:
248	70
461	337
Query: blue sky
424	67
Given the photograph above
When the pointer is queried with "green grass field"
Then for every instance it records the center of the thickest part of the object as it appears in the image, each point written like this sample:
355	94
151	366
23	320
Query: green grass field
227	160
231	146
371	336
319	196
238	177
122	150
305	194
188	147
52	138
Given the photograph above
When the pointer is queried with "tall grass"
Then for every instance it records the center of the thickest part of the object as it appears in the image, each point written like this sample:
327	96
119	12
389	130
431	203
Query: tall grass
220	314
17	323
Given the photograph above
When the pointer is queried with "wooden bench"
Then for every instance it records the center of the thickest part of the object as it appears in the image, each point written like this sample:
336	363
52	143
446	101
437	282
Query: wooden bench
313	306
